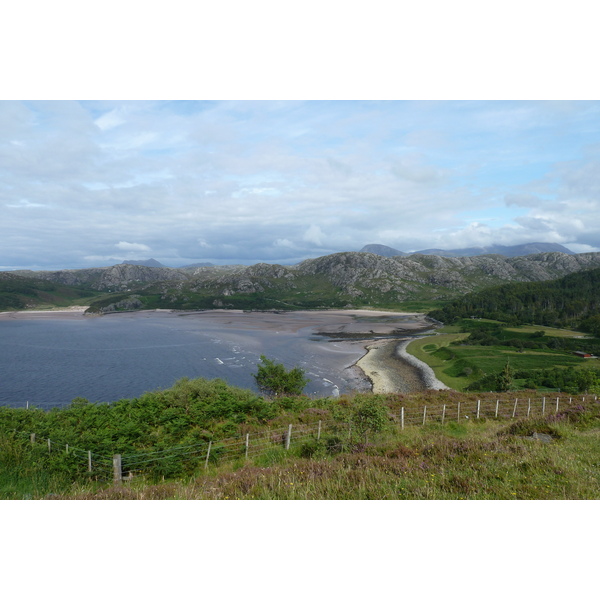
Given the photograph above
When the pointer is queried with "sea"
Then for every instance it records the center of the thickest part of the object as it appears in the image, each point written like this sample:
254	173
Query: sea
48	362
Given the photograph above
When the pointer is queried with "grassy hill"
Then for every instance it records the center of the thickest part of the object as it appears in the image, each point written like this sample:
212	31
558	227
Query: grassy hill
361	446
21	293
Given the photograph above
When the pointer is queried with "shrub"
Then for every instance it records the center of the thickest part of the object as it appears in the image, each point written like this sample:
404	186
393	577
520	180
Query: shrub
273	378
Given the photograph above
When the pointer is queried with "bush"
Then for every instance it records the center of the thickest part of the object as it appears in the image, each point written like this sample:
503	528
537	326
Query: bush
273	378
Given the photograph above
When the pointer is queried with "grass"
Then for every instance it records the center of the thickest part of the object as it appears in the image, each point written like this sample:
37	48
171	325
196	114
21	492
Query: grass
364	452
549	331
459	365
474	461
424	349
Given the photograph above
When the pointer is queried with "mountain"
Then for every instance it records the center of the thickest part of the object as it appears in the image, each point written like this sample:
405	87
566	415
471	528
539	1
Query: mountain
382	250
346	279
20	293
518	250
118	277
145	263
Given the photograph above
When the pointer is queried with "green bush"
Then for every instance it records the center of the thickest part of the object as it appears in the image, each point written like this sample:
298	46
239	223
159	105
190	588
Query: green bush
273	378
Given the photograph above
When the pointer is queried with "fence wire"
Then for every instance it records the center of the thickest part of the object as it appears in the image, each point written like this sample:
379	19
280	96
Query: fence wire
252	444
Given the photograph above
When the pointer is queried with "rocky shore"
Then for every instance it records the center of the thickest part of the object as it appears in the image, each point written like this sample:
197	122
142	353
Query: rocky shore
391	369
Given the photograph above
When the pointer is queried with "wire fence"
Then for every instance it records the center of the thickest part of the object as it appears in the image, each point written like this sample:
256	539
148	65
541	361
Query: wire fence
190	457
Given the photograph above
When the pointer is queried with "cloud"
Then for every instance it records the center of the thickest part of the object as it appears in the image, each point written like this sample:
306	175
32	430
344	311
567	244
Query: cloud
314	235
412	167
283	181
132	247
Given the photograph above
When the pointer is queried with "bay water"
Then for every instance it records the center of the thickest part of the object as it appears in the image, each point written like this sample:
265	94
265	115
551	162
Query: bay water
49	361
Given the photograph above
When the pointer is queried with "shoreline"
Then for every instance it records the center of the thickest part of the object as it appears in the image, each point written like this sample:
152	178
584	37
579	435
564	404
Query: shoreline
391	369
58	313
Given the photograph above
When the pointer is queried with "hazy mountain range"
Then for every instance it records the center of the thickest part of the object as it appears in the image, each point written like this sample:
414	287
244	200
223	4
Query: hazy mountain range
519	250
381	250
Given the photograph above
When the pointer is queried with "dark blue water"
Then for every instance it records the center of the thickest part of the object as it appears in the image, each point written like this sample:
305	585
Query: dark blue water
49	362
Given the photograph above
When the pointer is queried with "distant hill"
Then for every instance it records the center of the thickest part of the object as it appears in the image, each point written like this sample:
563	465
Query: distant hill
346	279
382	250
25	292
144	263
518	250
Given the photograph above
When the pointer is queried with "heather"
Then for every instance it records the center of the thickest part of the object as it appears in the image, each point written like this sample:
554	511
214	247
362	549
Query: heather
431	445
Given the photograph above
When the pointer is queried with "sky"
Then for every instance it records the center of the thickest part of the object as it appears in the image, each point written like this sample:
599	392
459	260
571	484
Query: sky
93	183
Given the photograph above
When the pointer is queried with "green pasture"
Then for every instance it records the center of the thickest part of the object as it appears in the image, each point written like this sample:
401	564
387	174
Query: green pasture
459	365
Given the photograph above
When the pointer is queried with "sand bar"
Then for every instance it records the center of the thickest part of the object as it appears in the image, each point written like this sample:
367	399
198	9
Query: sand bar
392	370
59	313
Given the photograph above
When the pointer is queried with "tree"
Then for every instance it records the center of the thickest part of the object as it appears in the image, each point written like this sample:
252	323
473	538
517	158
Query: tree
273	378
369	416
504	381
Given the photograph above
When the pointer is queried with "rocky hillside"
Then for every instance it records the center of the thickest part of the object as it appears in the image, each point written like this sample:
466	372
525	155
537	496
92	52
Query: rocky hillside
335	280
115	278
440	277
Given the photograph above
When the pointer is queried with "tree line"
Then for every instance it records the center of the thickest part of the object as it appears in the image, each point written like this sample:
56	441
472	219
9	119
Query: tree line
572	301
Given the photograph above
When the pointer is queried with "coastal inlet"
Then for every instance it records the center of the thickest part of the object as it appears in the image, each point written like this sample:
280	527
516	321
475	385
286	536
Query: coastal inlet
50	357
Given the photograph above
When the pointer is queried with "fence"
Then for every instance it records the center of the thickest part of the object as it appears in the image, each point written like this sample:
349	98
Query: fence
123	467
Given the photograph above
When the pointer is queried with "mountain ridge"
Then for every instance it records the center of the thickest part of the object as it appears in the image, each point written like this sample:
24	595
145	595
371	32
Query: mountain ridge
334	280
517	250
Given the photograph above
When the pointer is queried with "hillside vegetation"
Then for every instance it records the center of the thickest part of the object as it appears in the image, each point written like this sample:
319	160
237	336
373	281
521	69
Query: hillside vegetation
480	354
371	447
21	293
572	301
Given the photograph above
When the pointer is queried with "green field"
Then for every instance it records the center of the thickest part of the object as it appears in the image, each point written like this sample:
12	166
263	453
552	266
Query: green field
457	362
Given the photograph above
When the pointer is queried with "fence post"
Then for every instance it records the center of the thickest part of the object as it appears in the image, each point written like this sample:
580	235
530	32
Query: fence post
570	399
402	417
247	444
496	412
207	454
458	412
557	405
67	448
117	472
90	461
49	445
424	414
319	431
27	405
528	406
288	438
443	413
515	408
543	405
478	407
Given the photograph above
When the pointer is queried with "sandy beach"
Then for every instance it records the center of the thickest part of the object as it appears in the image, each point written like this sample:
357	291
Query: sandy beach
59	313
392	370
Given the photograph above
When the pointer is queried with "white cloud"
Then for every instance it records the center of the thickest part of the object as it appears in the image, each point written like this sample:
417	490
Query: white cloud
110	120
314	235
132	247
283	243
